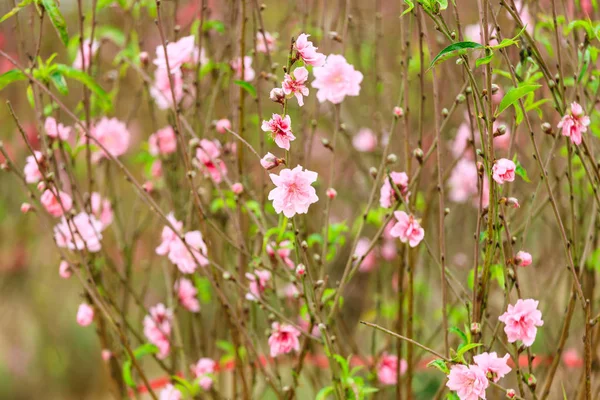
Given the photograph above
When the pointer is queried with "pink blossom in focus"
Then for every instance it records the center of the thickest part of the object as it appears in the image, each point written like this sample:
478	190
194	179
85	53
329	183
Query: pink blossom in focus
101	208
284	250
493	366
208	154
53	205
370	260
293	193
178	53
308	52
283	339
64	270
469	383
85	314
387	369
258	283
161	90
248	74
336	80
86	229
157	329
113	135
237	188
181	257
56	130
31	170
82	60
575	123
387	193
170	392
187	295
265	43
407	229
269	161
503	170
295	84
523	258
163	142
280	129
223	125
365	140
521	321
203	370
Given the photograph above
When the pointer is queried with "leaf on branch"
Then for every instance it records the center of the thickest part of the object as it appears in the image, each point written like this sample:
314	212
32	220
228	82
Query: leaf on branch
439	364
248	87
513	95
16	9
11	76
455	49
57	19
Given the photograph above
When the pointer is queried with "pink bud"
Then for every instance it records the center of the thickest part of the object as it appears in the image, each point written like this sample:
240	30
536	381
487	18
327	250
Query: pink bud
300	270
106	354
64	270
223	125
144	57
85	314
523	258
41	186
148	186
331	193
510	393
398	112
513	202
237	188
25	208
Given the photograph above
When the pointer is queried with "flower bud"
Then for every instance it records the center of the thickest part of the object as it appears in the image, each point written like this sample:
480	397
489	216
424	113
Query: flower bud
531	381
373	172
418	153
510	393
445	112
237	188
25	208
475	328
392	159
460	98
547	128
495	88
398	112
144	58
277	95
300	270
331	193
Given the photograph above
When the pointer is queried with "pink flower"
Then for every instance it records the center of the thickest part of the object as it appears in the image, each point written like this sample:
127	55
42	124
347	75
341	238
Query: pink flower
464	184
574	123
170	393
248	74
156	169
336	80
294	193
503	170
208	154
281	130
53	205
168	236
365	140
102	209
113	135
181	256
161	90
494	367
331	193
296	85
387	194
237	188
86	233
284	250
178	53
64	270
31	170
307	52
370	260
157	328
106	354
82	60
398	111
521	321
25	208
163	142
387	369
265	43
388	250
223	125
187	294
407	229
284	339
55	130
523	259
572	359
269	161
469	383
203	370
85	314
258	283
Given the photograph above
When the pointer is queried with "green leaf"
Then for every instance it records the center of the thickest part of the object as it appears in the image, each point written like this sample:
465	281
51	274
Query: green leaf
459	333
580	24
16	9
485	60
410	5
323	393
443	4
218	26
513	95
455	49
82	77
522	172
462	350
57	20
247	86
111	33
509	42
138	353
59	82
439	364
11	76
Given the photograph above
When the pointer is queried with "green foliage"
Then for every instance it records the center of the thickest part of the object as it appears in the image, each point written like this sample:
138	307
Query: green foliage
440	365
455	49
514	95
247	86
57	19
143	350
16	9
353	385
11	76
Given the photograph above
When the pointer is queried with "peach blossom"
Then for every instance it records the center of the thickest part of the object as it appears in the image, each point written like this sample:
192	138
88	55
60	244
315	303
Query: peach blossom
56	130
265	42
387	193
187	295
161	90
575	123
293	193
295	85
248	74
163	142
64	270
223	125
280	129
521	321
283	339
211	165
336	80
469	383
53	205
113	135
203	371
365	140
523	258
407	229
31	170
82	232
503	170
387	369
85	314
493	366
258	283
308	52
